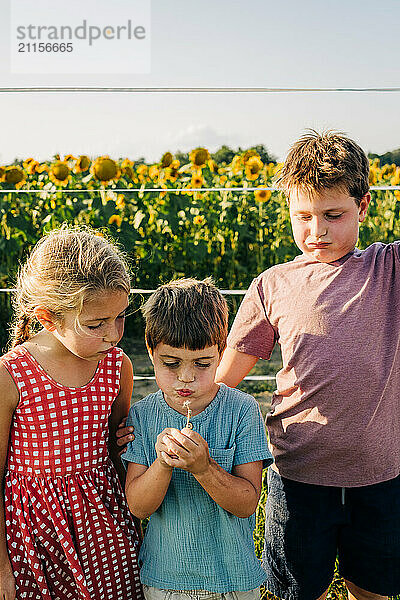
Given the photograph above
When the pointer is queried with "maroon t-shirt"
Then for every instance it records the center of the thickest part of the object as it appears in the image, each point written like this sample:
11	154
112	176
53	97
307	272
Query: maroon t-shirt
335	414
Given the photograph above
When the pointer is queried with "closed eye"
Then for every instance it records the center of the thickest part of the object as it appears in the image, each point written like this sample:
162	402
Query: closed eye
94	326
333	217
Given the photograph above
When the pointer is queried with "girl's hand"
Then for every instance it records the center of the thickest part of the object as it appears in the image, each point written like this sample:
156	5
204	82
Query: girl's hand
7	582
124	435
186	450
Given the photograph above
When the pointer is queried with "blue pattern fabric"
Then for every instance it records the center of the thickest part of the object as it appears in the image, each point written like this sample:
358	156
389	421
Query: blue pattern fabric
190	541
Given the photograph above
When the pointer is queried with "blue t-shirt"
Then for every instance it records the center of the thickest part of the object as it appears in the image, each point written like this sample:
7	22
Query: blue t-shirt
191	542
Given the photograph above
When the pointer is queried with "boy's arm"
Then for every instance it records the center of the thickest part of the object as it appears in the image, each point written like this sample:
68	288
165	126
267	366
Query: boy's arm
119	410
234	366
237	493
146	487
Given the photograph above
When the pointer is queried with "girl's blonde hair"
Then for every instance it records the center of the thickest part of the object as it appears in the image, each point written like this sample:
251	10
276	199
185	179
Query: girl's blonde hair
67	267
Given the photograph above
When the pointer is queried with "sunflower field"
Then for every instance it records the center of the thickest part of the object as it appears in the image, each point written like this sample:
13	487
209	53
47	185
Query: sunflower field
169	224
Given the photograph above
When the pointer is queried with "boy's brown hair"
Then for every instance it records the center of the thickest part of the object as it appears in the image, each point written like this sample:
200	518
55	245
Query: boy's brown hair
186	313
320	161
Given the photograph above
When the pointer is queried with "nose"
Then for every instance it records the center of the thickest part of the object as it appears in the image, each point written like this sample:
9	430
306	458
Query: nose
318	227
186	374
114	332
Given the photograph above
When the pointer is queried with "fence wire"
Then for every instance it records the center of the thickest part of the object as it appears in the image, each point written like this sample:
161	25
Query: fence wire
143	190
194	90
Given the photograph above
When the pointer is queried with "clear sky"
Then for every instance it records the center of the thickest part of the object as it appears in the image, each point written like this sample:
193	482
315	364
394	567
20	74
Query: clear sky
341	43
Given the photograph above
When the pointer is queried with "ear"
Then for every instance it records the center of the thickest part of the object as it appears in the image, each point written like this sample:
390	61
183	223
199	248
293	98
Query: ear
45	318
363	208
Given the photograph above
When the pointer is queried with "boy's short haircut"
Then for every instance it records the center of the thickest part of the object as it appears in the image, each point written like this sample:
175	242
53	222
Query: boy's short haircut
186	313
321	161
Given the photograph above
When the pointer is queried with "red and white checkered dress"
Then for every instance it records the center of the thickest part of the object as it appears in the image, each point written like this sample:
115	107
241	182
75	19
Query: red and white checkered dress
70	534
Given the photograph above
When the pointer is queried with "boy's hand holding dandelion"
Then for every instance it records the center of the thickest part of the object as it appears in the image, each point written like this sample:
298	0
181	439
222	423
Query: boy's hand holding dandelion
163	448
186	450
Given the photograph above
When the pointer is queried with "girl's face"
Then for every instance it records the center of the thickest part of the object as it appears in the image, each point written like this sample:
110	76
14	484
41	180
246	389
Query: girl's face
100	326
186	376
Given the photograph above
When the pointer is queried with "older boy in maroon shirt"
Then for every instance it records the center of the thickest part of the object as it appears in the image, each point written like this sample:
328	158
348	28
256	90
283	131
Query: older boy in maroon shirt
334	427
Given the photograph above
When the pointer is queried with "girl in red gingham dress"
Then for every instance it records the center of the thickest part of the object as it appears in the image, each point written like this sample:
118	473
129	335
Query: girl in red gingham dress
67	531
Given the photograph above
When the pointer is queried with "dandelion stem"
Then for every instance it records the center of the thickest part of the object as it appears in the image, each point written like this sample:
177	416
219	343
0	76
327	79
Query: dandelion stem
186	405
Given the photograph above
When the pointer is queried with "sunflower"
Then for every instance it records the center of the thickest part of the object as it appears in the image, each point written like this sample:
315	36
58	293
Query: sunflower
142	172
197	180
395	180
127	162
262	195
128	172
249	154
199	220
82	164
253	167
105	169
162	195
2	172
60	173
117	219
42	168
199	157
127	168
31	167
236	165
154	172
27	162
171	174
166	160
120	201
212	165
15	175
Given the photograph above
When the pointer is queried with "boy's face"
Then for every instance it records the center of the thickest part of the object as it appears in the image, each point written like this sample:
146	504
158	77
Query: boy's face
186	376
325	225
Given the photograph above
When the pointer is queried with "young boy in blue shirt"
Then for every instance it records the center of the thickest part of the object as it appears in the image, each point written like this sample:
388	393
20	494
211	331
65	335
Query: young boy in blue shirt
196	462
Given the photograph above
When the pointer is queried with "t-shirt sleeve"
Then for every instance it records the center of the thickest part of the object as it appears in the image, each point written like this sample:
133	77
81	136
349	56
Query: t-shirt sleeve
396	247
135	450
251	332
251	439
